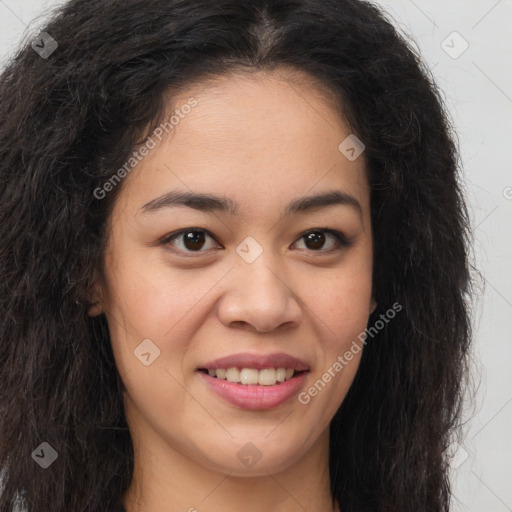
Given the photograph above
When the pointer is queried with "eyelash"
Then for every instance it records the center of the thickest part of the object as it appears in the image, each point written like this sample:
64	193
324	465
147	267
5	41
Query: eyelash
342	240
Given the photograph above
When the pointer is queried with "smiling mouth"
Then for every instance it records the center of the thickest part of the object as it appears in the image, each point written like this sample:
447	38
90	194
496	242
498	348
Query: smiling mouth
253	376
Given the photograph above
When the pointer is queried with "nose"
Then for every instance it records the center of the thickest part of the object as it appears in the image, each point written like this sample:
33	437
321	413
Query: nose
258	297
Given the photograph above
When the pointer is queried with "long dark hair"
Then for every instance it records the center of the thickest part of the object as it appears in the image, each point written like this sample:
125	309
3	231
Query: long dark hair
71	118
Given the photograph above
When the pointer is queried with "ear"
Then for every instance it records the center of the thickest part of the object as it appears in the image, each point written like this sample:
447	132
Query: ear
373	305
95	297
96	309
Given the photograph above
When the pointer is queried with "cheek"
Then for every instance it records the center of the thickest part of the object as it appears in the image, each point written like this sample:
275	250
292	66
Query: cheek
150	312
341	317
341	300
346	315
340	305
149	296
149	301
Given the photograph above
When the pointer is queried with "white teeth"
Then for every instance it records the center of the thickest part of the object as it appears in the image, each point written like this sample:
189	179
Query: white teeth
253	376
249	376
281	374
267	377
233	375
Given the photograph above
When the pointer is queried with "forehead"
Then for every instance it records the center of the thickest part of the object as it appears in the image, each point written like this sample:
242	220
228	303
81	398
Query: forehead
259	110
257	135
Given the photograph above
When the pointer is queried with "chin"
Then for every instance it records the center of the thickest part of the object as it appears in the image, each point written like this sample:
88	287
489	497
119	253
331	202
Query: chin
254	458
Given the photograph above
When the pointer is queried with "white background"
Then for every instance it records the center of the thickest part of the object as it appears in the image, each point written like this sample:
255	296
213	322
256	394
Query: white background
477	88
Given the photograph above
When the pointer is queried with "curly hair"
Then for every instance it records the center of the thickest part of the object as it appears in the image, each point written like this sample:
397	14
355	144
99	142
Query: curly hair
70	119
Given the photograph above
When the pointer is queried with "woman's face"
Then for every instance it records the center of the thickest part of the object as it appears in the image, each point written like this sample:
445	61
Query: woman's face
268	286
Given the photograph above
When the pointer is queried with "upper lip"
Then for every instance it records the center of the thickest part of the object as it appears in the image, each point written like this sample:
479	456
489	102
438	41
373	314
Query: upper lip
257	361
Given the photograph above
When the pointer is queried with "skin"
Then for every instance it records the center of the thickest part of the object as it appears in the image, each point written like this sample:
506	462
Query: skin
262	140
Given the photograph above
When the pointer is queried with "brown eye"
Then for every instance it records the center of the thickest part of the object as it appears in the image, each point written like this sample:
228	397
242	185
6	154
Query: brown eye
189	240
316	240
193	240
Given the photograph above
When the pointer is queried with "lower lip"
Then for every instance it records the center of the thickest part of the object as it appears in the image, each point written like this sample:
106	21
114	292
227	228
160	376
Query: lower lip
255	397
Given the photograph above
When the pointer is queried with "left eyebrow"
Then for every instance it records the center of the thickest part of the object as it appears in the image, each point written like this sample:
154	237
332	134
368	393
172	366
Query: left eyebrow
325	200
211	203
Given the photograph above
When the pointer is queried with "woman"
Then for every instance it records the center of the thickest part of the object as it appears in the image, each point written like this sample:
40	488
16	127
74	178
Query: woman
234	262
